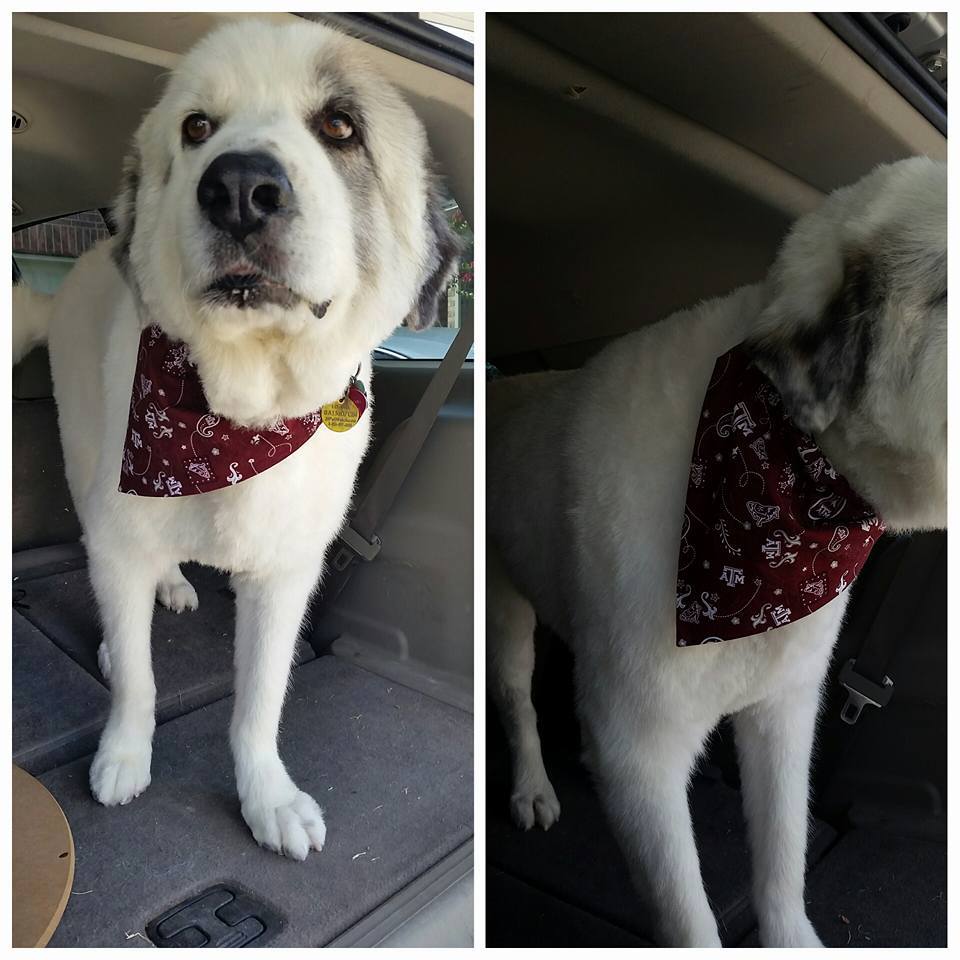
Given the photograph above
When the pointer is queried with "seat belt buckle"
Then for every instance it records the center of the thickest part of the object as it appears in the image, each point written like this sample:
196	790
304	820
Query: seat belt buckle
351	546
862	692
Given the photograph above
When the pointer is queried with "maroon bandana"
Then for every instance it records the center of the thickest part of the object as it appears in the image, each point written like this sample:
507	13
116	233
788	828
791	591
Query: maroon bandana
176	446
771	532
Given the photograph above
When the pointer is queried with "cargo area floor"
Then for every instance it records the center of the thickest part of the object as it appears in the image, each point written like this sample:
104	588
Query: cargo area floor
391	767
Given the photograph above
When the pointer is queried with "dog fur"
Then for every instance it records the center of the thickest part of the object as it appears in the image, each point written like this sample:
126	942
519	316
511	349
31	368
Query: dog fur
587	475
365	238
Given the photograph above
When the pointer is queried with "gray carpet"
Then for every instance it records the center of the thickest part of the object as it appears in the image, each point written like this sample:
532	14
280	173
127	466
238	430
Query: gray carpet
392	769
545	920
58	708
880	889
192	651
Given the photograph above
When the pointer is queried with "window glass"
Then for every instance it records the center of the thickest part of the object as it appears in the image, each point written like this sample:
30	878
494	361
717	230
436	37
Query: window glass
45	252
459	24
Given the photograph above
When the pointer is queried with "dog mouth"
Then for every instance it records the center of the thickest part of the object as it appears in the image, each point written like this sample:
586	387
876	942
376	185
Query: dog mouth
249	290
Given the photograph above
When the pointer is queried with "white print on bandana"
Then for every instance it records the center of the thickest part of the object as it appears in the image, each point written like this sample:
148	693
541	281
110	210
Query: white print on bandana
176	446
770	532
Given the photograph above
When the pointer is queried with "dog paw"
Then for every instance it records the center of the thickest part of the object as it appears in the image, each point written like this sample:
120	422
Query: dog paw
535	806
118	773
103	659
177	594
291	829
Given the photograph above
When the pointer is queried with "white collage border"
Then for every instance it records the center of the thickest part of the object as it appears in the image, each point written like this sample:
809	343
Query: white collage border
479	230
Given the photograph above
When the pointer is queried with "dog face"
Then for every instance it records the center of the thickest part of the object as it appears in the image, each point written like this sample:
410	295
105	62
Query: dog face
281	184
855	335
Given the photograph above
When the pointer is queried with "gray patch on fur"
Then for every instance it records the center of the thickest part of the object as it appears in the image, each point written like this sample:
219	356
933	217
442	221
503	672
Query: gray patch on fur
442	251
820	366
125	212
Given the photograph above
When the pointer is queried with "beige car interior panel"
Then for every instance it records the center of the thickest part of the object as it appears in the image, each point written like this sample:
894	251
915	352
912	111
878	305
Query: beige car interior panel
638	163
585	89
84	80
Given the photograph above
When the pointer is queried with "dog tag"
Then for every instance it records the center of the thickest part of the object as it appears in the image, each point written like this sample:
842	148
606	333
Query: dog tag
343	414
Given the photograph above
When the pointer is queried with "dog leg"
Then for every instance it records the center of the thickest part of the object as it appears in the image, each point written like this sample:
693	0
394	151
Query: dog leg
642	781
774	742
176	592
510	656
121	767
269	613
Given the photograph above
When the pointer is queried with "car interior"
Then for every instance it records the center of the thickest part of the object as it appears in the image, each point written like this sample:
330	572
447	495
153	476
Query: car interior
638	163
378	722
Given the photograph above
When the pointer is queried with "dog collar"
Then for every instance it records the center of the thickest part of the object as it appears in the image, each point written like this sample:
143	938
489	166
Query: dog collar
177	446
771	532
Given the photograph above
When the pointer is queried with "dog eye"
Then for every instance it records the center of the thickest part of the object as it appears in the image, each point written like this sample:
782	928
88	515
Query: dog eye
197	128
336	126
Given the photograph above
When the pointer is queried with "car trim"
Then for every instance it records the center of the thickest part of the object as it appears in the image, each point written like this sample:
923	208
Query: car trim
876	44
407	35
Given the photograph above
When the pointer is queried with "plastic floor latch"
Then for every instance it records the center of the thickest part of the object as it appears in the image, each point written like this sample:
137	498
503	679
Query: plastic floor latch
221	916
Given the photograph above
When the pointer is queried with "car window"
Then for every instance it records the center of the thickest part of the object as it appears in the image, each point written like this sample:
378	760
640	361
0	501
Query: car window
46	252
433	343
460	24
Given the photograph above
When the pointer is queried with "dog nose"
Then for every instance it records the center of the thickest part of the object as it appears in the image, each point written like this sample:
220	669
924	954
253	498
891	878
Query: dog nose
240	192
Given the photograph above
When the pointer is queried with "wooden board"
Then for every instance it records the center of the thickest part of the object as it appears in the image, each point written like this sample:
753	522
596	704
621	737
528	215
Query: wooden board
43	860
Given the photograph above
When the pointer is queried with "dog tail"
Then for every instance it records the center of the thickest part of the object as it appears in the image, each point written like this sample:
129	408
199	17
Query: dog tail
31	319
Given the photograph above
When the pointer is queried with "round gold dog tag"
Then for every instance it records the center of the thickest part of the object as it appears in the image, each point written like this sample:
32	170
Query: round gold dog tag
341	415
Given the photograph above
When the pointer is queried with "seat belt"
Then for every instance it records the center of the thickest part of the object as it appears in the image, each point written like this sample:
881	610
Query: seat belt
359	540
865	676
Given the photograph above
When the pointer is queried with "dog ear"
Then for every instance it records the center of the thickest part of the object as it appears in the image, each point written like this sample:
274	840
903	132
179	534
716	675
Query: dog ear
819	364
123	213
440	260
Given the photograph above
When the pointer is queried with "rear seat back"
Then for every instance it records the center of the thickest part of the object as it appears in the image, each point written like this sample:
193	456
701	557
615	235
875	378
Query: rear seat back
43	512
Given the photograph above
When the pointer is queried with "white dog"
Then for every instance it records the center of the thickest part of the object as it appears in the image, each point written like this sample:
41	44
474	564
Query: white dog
278	219
587	477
